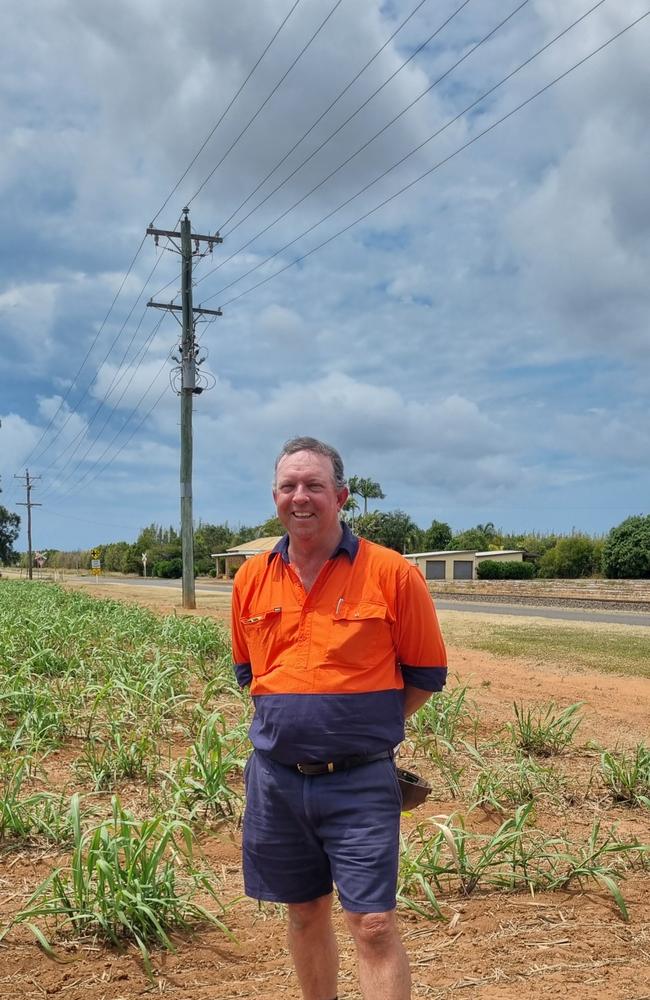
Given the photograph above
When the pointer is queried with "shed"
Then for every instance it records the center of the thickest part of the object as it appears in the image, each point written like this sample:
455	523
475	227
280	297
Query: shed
458	564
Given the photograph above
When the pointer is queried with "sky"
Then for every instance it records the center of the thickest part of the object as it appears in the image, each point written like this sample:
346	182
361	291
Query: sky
470	328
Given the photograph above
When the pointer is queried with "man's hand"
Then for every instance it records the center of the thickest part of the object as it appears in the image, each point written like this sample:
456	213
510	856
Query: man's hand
414	698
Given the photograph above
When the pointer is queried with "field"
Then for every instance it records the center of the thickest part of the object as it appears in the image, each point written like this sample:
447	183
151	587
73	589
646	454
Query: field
122	739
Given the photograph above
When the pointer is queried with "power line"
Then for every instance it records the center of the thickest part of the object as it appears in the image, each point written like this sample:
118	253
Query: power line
212	132
90	349
105	358
266	101
222	116
143	350
327	110
87	477
361	148
85	520
430	170
115	380
137	253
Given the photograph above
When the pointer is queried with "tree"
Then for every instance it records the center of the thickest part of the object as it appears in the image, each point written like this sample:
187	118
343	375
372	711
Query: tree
571	558
437	536
626	553
349	509
9	531
368	489
394	529
270	528
209	538
473	538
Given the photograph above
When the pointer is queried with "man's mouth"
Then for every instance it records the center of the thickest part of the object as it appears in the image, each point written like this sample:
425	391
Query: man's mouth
304	516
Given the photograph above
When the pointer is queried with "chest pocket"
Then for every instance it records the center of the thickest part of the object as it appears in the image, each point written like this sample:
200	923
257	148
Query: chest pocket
359	632
261	636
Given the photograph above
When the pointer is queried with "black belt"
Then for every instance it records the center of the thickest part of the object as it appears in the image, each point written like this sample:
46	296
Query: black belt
343	763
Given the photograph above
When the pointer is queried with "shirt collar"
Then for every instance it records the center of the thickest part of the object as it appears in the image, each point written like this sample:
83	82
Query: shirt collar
349	545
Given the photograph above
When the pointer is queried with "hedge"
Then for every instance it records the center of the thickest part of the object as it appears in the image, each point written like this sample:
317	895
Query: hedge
495	569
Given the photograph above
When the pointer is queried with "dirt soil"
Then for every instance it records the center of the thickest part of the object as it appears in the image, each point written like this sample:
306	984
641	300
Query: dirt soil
495	946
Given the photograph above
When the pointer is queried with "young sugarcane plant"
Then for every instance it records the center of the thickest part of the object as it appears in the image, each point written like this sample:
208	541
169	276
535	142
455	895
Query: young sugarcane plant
545	731
124	882
627	775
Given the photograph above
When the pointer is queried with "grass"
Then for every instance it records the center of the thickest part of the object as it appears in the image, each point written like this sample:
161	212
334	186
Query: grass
123	883
617	649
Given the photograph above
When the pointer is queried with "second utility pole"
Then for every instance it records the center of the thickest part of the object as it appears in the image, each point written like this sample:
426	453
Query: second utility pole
188	387
30	503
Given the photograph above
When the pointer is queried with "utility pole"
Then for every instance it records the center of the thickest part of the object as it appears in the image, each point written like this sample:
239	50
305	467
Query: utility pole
188	386
29	504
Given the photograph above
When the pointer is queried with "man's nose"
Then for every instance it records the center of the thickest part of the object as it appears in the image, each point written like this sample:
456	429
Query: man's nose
301	493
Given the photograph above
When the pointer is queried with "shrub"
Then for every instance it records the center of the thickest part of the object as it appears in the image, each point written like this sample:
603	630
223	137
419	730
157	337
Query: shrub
510	569
626	553
168	569
572	557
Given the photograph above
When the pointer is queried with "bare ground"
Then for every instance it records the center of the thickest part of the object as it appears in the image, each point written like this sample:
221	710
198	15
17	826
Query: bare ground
494	945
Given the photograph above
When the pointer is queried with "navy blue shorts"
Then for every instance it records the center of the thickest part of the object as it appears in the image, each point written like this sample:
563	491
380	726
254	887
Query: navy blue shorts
302	834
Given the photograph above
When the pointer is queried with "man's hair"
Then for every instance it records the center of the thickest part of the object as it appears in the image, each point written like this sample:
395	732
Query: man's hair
320	448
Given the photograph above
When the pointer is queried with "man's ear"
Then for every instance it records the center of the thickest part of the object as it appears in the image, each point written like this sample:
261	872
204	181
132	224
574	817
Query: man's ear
342	496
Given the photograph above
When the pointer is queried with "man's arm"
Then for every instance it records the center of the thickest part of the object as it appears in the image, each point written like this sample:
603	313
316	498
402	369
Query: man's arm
414	698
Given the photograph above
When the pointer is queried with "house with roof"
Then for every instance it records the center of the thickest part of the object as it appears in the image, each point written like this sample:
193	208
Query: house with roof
229	561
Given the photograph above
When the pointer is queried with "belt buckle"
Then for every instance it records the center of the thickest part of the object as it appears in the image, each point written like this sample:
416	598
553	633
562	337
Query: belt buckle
329	766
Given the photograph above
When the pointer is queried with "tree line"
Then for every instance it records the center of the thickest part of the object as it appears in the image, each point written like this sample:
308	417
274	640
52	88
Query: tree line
623	553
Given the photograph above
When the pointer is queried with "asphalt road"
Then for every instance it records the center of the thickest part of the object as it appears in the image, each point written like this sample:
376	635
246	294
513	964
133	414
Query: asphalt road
466	607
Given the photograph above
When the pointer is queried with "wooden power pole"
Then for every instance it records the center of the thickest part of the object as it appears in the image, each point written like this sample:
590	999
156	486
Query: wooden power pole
29	504
188	387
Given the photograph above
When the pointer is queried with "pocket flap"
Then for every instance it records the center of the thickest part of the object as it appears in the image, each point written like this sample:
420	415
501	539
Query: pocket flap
361	611
259	619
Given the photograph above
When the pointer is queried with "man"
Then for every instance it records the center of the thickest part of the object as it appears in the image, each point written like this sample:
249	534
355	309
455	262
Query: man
339	640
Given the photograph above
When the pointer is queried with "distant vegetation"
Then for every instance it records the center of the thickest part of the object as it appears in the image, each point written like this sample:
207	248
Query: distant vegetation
624	553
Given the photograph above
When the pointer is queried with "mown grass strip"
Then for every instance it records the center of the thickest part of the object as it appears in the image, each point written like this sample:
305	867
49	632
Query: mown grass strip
618	649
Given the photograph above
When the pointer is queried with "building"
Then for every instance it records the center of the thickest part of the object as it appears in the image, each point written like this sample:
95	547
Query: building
232	558
458	564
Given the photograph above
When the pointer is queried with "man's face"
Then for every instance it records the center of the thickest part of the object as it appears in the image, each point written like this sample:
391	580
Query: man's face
306	497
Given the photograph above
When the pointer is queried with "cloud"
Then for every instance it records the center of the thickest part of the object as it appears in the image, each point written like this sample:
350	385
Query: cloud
478	341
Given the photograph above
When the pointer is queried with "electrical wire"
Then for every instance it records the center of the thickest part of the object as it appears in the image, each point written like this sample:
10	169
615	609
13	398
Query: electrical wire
84	430
365	145
222	116
412	152
85	478
358	110
142	352
65	397
433	168
89	351
326	111
74	409
266	101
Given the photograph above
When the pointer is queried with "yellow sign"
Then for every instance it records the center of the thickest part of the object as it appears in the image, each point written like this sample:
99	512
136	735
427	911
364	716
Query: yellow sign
94	553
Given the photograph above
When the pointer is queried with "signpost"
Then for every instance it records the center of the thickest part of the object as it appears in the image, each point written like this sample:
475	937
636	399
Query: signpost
95	562
144	562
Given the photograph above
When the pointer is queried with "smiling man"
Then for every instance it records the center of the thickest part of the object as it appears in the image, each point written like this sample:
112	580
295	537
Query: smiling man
339	641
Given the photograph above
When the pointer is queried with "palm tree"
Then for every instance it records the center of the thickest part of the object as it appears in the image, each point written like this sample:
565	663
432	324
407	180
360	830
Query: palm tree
350	507
366	488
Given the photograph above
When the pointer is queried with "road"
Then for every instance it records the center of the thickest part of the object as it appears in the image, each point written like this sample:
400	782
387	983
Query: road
465	607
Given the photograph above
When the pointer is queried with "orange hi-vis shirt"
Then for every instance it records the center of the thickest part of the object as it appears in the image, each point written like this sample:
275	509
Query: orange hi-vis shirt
327	668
